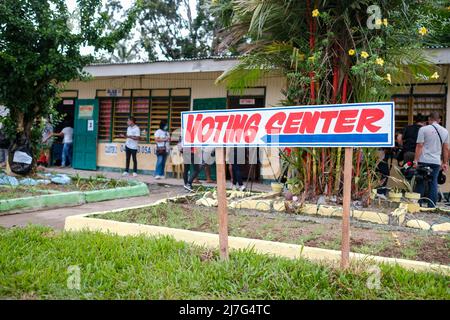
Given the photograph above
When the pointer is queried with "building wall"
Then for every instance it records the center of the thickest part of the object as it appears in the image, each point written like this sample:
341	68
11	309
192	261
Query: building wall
202	84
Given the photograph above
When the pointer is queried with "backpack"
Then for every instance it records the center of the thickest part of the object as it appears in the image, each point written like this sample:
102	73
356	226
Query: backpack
20	150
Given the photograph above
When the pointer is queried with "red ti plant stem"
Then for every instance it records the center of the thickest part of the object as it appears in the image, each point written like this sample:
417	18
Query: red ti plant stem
369	179
330	173
308	171
358	167
344	89
335	80
324	152
314	170
312	40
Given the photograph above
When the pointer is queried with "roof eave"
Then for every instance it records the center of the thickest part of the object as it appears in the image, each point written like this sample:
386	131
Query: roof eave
161	67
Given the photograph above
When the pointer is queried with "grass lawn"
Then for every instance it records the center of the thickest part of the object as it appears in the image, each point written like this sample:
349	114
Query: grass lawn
421	246
34	264
78	184
19	192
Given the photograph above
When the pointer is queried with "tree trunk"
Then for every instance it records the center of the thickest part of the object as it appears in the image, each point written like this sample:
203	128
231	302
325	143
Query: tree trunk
22	146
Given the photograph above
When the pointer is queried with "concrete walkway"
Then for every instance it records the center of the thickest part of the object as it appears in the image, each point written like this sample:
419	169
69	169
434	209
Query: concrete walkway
55	217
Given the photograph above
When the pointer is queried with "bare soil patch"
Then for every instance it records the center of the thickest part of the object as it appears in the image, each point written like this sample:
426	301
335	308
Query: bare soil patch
415	245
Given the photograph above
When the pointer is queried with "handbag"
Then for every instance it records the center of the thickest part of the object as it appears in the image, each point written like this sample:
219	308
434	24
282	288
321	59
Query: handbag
161	150
441	177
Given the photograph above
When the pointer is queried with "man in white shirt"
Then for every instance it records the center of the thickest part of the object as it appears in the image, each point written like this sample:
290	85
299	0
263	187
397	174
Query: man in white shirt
432	151
67	134
131	145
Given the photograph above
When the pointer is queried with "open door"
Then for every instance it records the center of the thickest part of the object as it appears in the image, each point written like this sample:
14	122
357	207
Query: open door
85	134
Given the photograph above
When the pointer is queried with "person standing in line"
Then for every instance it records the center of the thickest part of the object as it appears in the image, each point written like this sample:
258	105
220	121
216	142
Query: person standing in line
191	160
47	142
162	138
237	182
432	151
208	161
131	145
67	134
409	139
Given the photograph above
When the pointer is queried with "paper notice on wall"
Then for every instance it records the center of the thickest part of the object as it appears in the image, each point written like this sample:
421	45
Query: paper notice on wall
22	157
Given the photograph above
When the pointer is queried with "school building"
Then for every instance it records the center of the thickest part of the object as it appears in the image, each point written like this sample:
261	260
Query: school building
153	91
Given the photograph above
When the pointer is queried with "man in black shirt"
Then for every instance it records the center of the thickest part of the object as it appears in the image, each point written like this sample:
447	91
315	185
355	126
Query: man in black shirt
409	139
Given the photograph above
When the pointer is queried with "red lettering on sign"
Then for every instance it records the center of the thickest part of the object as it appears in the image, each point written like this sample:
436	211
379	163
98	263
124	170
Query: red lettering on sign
238	127
207	122
309	122
220	122
192	127
279	118
345	121
328	116
367	118
293	122
251	128
228	130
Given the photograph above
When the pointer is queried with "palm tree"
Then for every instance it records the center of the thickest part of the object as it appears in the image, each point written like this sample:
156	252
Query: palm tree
330	52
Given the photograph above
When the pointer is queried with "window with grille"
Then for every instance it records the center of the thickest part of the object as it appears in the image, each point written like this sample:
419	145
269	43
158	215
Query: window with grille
141	113
148	107
160	108
122	109
407	106
104	119
180	102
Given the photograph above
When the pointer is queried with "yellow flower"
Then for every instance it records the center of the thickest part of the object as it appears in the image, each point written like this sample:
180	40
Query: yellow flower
364	55
351	52
379	61
423	31
435	76
378	22
388	77
315	13
385	22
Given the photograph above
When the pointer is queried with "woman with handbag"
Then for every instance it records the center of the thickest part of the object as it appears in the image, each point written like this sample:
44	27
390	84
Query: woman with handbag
162	138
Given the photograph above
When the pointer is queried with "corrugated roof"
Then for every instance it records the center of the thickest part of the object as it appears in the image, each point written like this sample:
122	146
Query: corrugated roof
174	60
436	46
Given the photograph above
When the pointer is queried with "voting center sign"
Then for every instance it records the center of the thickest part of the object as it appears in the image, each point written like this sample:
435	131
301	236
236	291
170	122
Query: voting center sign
339	125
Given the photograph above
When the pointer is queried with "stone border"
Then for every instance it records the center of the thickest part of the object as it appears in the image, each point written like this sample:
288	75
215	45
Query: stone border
84	222
56	200
397	217
71	199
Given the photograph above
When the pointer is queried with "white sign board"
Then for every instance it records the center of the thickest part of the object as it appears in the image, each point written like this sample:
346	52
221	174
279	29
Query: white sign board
340	125
246	101
114	92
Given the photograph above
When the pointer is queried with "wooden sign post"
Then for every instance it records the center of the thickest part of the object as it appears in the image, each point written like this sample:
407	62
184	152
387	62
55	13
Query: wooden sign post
345	242
338	125
222	202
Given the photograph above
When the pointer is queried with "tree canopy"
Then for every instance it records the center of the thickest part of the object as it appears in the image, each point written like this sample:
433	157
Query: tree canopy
332	52
40	50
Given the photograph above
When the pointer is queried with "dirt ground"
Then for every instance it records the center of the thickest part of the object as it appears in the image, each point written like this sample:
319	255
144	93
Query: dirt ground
322	233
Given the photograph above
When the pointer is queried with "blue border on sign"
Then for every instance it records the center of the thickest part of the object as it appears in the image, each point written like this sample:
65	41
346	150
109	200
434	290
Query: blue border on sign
391	143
